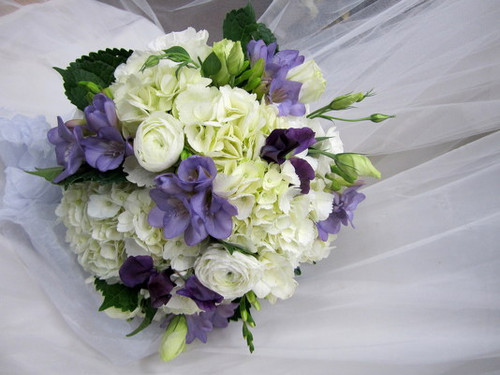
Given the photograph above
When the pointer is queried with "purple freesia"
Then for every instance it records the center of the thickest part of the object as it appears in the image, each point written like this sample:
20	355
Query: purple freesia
285	94
257	49
201	323
101	113
343	212
69	152
107	150
204	298
186	204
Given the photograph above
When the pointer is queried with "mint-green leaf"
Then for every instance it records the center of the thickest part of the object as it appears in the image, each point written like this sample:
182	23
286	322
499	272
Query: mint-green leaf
97	67
231	248
117	295
211	66
48	173
177	54
149	312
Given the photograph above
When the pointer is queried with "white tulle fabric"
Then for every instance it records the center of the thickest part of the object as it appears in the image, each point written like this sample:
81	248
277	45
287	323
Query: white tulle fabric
414	289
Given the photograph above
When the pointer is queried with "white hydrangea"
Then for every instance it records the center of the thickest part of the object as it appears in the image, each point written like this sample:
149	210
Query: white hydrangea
277	278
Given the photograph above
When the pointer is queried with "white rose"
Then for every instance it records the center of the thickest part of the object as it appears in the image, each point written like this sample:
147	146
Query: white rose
313	83
229	275
159	142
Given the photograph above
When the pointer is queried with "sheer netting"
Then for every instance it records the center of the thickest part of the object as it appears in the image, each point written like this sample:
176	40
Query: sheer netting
414	289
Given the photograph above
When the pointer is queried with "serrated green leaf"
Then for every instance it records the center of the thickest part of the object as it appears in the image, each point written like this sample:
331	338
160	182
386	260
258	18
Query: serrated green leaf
48	173
149	312
87	174
235	22
117	295
97	67
264	33
211	66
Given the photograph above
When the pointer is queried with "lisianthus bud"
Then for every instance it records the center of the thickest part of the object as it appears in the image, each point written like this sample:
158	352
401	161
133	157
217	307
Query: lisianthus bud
173	341
379	117
231	57
345	101
351	166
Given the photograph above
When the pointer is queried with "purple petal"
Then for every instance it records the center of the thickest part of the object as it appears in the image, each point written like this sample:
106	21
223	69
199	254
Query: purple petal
219	221
159	287
222	313
195	232
197	172
204	298
136	270
305	173
101	113
198	327
155	217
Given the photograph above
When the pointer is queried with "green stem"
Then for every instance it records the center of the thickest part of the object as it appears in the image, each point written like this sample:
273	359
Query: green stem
345	119
313	151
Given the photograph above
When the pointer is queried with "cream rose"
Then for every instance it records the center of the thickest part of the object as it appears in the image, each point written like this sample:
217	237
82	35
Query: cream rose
158	142
229	275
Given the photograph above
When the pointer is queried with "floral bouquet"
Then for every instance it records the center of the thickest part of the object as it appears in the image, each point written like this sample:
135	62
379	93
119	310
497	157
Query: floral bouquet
197	180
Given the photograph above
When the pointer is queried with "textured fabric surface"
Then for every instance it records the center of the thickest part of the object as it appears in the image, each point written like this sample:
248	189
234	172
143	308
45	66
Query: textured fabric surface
414	289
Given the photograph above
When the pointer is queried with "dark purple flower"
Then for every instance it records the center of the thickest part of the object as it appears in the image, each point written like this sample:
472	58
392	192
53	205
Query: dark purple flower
136	270
285	94
343	211
282	142
204	298
69	152
186	204
202	323
107	150
101	113
159	287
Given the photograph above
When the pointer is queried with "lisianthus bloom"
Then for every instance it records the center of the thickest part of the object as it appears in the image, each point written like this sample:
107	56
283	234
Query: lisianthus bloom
69	152
186	204
204	298
282	144
343	211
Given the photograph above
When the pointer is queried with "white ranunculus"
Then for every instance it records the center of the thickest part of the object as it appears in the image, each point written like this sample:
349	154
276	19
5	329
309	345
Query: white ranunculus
229	275
313	83
194	42
159	142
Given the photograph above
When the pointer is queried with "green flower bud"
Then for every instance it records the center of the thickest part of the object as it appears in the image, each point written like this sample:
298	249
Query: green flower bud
345	101
231	57
351	166
379	117
185	154
173	341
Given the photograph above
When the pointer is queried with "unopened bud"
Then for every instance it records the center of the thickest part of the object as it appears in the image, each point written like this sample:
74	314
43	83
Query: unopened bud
345	101
173	341
379	117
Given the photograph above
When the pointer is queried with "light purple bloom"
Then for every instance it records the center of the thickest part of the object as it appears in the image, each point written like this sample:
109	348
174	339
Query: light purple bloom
107	150
257	49
285	94
101	113
69	152
204	298
343	212
202	323
186	204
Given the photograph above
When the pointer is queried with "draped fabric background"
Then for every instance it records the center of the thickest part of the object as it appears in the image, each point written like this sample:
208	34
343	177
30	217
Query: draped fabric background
415	289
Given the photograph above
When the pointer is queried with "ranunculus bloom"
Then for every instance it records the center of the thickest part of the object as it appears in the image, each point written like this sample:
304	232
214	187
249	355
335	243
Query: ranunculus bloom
158	142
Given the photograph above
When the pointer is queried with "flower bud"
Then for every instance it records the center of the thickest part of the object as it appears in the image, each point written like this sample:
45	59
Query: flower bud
345	101
351	166
173	341
379	117
231	57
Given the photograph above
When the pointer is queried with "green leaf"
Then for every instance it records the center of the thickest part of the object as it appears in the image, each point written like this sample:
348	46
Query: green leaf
117	295
97	67
88	174
48	173
231	248
241	25
177	54
211	66
149	312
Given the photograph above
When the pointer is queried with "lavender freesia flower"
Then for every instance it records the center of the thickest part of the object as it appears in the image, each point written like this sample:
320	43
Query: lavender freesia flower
69	152
285	94
202	323
107	150
101	113
204	298
257	49
186	204
343	211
